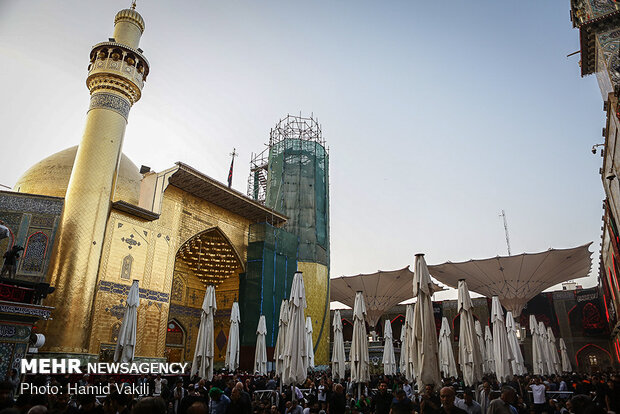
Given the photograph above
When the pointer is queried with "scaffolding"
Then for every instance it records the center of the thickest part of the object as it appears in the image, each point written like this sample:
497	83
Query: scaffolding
291	176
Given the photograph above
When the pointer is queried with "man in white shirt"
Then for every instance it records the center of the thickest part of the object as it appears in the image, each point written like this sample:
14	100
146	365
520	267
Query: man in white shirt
408	390
539	396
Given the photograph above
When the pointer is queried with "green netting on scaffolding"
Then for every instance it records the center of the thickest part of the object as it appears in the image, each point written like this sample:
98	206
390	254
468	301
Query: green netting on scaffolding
271	265
298	187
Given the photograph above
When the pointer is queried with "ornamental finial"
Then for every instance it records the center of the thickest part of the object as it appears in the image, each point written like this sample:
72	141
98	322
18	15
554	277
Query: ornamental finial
133	5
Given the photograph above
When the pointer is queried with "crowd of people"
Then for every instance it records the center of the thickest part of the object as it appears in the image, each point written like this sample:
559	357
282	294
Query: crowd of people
241	393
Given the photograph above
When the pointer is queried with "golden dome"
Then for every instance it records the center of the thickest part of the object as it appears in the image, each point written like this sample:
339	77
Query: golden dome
51	177
130	15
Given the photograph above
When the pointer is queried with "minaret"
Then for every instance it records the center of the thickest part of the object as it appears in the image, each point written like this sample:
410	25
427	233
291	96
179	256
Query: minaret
116	75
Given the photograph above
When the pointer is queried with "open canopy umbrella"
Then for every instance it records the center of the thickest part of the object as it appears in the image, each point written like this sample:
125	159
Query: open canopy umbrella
470	359
295	354
483	351
232	349
126	343
501	350
338	356
203	355
566	365
489	360
406	347
358	355
278	353
447	365
538	365
309	344
389	360
553	351
260	354
424	353
518	364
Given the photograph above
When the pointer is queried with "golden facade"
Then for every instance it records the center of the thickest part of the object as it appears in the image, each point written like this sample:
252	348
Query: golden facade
175	232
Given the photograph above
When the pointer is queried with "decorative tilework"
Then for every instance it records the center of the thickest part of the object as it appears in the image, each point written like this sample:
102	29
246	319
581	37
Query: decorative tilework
35	252
177	288
110	101
124	290
21	202
43	220
11	219
6	354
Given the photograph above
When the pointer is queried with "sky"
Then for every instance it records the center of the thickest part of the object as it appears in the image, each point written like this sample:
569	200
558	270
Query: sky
437	115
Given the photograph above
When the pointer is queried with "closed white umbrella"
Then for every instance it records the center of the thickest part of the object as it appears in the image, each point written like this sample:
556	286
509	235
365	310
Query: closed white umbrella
501	349
358	355
490	358
278	353
538	365
544	341
566	365
338	356
232	349
518	364
295	354
483	350
203	355
260	354
425	348
470	359
407	346
447	365
553	352
309	344
126	343
389	359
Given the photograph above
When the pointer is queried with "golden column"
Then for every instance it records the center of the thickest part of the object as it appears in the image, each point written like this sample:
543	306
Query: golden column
116	75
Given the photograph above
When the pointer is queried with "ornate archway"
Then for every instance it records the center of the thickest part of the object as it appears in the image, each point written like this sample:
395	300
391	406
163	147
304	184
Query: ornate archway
592	358
207	258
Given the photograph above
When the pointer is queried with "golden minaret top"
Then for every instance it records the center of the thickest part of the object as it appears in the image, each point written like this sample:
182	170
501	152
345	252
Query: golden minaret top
128	26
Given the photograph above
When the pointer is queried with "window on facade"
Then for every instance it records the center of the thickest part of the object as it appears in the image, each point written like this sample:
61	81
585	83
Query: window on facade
592	359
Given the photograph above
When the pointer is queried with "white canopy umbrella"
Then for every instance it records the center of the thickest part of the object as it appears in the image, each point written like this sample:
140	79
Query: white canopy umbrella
483	351
338	355
425	348
544	340
566	365
447	365
553	350
538	365
470	359
406	347
501	349
203	355
490	358
295	354
126	342
260	355
278	352
309	344
232	349
518	364
359	345
389	360
402	362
